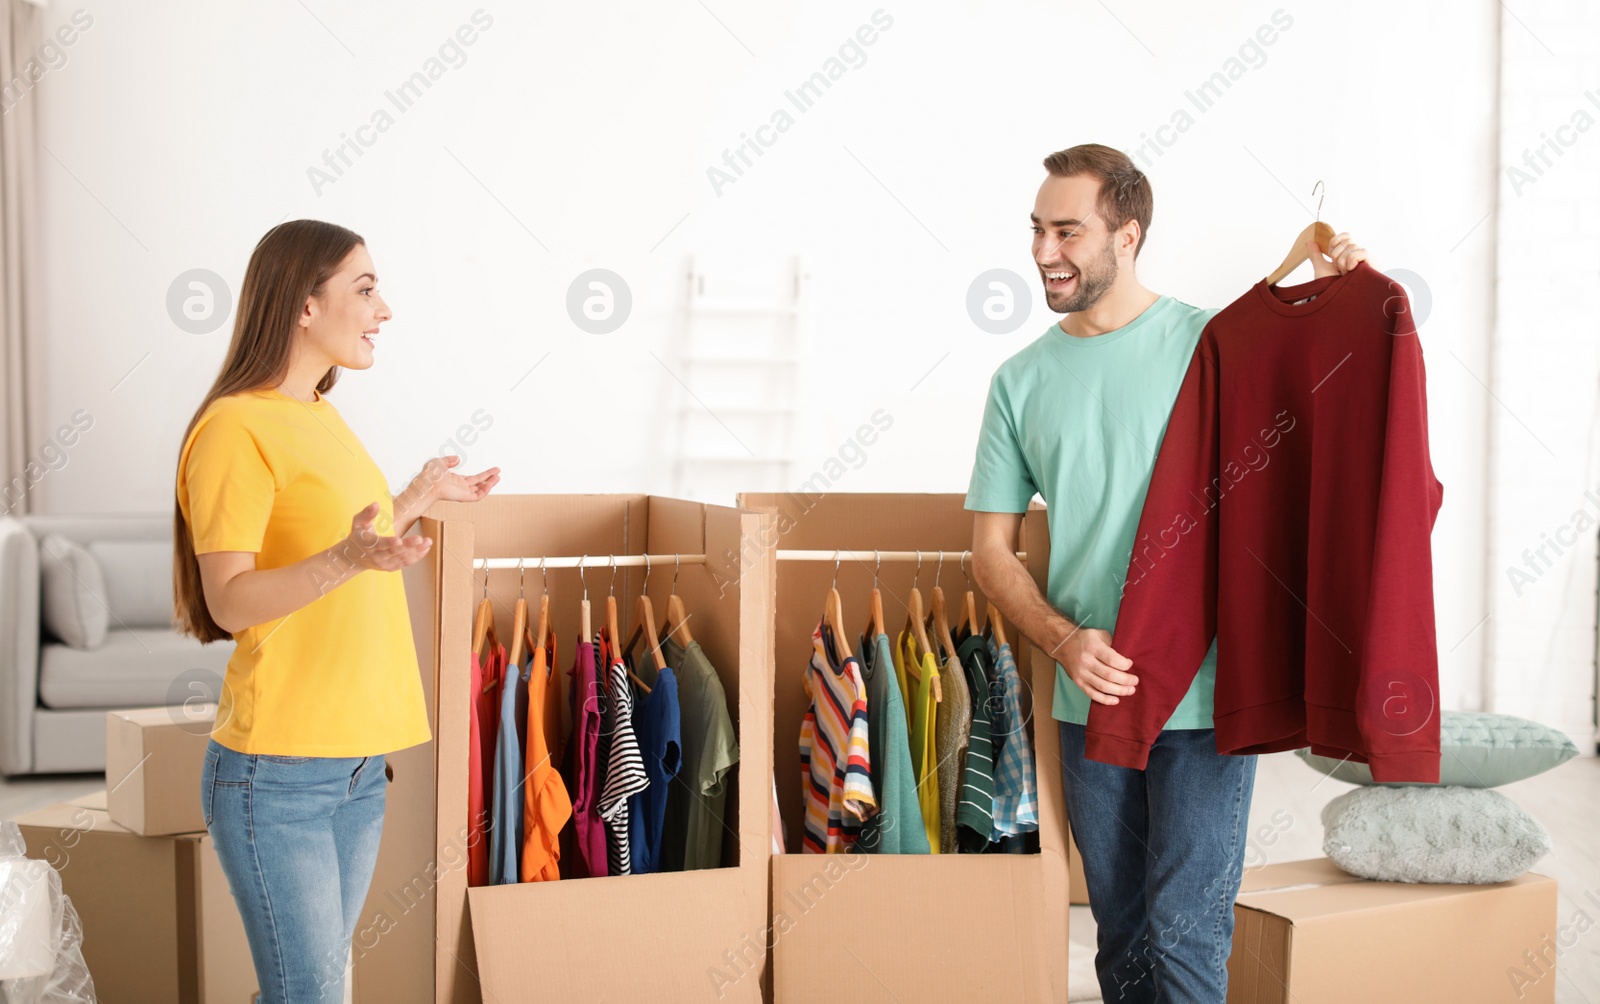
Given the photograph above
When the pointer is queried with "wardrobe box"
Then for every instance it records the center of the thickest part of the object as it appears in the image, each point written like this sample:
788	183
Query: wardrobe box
906	927
1307	932
159	923
685	936
153	762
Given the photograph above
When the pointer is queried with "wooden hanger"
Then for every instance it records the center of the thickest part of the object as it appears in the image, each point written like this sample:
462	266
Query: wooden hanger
676	612
585	633
941	622
876	624
996	624
519	623
969	606
484	637
833	615
1317	231
645	614
914	620
544	619
613	633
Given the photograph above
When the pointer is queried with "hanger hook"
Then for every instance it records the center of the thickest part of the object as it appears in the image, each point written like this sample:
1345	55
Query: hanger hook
938	568
544	575
485	578
583	563
613	575
877	566
677	566
1314	191
917	578
522	580
964	556
835	583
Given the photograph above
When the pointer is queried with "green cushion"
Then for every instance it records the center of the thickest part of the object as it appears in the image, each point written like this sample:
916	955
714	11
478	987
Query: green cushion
1441	834
1477	749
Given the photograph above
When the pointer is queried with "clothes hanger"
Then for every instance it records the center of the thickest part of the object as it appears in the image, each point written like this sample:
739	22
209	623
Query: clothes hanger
833	614
920	632
584	632
875	621
969	606
612	633
485	639
676	610
939	616
645	614
996	624
519	621
544	616
1317	231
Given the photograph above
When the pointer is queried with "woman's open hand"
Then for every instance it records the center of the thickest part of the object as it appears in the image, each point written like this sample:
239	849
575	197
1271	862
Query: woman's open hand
449	486
366	547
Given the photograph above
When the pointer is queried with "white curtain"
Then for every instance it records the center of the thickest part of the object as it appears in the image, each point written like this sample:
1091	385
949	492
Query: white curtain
21	30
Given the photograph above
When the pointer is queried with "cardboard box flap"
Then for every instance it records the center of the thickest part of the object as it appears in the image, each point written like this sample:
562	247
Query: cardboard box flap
94	800
67	816
1306	902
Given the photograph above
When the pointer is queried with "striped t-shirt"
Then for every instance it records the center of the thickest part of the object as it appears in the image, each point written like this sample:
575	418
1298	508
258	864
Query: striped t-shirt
835	766
975	809
625	774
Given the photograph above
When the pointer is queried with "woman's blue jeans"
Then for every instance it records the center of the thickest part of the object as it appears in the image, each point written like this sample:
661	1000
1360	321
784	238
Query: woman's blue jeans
298	841
1163	854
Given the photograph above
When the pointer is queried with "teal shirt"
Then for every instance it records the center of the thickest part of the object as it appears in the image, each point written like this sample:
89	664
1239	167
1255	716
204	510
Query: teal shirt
896	828
1079	421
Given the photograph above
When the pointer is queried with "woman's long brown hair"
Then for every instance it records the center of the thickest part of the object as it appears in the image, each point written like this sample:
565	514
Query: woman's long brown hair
291	262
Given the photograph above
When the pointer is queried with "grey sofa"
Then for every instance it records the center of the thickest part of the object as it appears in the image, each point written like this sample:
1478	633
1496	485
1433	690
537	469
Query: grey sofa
54	698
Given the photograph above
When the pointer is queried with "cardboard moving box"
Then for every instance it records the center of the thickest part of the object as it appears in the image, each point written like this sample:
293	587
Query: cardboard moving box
898	914
153	762
683	936
159	923
1307	932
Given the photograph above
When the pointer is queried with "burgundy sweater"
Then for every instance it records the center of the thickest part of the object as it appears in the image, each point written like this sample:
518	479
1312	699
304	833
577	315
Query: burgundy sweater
1288	516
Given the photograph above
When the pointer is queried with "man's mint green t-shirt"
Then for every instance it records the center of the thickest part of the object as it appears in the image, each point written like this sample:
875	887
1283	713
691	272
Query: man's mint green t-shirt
1079	421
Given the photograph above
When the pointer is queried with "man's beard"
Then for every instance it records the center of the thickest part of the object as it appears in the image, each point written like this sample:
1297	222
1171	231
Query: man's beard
1091	285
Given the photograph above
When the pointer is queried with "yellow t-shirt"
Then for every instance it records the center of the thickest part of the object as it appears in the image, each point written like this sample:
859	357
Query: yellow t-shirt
268	473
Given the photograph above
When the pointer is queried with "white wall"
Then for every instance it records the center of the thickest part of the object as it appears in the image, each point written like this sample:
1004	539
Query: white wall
579	136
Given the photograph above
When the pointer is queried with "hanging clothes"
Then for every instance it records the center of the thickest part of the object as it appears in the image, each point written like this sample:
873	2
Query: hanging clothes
975	810
952	728
505	835
1016	789
897	827
480	758
656	724
835	758
698	794
586	836
625	773
546	805
924	751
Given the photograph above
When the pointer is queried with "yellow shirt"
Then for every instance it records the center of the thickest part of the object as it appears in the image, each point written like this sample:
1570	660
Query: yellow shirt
922	709
268	473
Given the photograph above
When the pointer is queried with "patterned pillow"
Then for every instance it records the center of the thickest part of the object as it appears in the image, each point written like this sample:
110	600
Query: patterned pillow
1439	834
1477	749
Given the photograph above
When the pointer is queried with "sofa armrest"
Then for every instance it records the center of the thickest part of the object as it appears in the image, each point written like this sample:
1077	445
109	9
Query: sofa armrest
19	644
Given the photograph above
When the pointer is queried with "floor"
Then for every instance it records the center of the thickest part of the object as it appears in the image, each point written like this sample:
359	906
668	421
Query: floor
1566	801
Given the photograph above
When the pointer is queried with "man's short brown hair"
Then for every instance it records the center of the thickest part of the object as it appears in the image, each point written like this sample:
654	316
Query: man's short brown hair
1124	190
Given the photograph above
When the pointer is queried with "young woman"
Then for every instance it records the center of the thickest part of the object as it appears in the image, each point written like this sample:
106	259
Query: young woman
286	541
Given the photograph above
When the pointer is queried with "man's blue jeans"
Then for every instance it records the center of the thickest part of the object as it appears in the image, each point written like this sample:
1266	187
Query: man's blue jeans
1163	852
298	841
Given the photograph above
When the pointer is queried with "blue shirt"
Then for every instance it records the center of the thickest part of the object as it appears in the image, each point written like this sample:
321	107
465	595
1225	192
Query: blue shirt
656	725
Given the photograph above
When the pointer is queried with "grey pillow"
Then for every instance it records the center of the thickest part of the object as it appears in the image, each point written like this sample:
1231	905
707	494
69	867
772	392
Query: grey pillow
1477	749
71	591
138	577
1440	834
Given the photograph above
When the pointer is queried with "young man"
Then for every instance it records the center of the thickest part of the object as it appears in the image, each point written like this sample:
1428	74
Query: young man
1078	416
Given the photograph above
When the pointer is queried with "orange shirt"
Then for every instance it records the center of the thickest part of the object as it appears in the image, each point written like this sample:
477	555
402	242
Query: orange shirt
546	806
